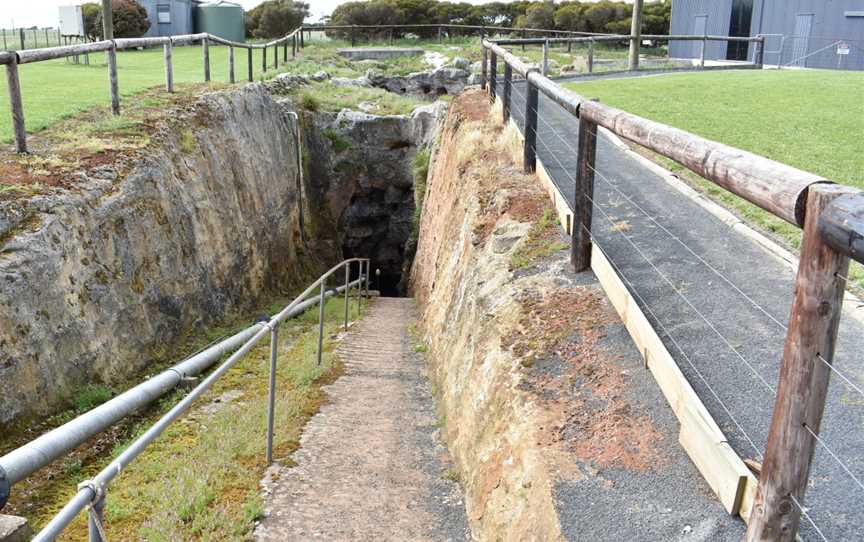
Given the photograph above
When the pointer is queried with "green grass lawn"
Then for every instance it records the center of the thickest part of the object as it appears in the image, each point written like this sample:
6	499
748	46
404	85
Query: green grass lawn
812	120
56	89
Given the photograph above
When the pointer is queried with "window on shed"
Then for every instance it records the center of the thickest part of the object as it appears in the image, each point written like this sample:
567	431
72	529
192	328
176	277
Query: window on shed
163	13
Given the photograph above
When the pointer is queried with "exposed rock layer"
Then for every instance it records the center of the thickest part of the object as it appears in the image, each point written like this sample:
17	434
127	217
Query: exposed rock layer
97	281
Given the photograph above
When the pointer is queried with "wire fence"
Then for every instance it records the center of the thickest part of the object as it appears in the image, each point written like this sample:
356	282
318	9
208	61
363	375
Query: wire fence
631	251
788	51
18	39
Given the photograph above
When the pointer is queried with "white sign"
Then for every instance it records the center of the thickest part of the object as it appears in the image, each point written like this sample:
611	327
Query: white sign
842	48
71	21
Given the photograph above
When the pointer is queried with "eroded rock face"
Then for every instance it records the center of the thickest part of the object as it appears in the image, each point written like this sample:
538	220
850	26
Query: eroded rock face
361	166
98	281
429	84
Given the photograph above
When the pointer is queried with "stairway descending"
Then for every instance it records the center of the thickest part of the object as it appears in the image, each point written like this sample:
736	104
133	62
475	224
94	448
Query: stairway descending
370	465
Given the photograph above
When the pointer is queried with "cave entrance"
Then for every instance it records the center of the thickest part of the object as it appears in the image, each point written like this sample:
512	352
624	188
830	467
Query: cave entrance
377	225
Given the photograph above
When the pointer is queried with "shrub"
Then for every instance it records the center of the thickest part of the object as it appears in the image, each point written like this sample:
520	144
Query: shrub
129	18
275	18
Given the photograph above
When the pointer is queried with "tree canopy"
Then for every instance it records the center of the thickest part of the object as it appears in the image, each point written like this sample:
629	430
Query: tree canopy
275	18
605	16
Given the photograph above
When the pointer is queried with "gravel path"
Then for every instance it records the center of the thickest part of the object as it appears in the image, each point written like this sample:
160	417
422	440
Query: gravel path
370	464
723	336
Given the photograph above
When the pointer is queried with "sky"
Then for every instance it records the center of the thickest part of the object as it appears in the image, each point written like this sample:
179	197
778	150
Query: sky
43	13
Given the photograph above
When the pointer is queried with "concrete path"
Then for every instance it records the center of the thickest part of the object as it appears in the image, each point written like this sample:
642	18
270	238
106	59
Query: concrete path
720	302
370	465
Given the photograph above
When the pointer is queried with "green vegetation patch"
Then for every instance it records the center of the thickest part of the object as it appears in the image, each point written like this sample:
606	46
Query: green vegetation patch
543	240
199	479
328	97
809	119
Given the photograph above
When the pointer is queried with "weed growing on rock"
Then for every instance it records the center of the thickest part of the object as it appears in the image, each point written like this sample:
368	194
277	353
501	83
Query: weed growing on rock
543	240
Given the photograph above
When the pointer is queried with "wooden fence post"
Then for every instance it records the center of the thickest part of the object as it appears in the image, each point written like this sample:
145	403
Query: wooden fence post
264	60
16	105
759	57
231	76
529	152
580	248
205	48
591	56
294	46
169	65
524	36
285	51
249	62
702	53
484	68
353	36
804	378
440	36
276	56
302	43
493	75
508	86
570	46
112	78
21	34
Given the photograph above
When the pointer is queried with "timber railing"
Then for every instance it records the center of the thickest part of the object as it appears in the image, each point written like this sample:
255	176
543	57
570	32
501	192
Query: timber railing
832	219
12	59
92	494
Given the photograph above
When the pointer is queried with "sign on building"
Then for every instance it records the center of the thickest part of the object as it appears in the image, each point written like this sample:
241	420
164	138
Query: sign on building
843	48
71	21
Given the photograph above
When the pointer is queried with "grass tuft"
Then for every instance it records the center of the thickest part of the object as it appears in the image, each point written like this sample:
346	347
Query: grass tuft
543	240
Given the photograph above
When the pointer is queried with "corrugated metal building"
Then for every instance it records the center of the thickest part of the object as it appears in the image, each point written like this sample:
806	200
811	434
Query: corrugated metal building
168	17
806	33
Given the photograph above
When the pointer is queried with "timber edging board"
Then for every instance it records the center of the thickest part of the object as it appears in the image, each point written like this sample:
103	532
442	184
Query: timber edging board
699	435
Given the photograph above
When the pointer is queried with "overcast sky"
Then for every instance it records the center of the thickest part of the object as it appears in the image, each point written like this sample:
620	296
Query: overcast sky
44	12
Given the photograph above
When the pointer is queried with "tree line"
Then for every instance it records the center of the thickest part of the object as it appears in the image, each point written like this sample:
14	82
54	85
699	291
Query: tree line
603	17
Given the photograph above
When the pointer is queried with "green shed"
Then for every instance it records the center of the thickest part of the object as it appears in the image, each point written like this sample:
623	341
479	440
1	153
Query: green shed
220	18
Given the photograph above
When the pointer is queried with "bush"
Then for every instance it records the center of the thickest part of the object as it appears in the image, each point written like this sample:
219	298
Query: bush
275	18
90	12
129	18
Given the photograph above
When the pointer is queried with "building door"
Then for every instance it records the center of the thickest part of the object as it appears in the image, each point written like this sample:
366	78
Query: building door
801	39
700	28
739	26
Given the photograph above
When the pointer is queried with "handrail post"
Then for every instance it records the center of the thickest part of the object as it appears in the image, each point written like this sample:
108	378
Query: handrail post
96	519
321	321
294	46
205	49
249	62
591	56
168	50
112	78
800	401
347	290
231	76
493	75
271	407
276	56
508	84
264	60
484	68
529	152
16	105
302	43
702	52
545	63
760	52
580	248
285	51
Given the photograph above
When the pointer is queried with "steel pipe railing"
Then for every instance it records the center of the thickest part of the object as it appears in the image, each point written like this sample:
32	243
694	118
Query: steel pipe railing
20	463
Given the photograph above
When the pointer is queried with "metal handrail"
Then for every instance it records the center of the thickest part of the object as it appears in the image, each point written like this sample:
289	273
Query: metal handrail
91	494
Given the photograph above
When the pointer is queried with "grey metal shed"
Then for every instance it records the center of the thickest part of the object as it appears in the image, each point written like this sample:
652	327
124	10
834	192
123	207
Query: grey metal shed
804	33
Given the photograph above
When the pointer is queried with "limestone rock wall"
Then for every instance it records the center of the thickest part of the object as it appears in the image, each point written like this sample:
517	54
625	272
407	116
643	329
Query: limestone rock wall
476	213
98	281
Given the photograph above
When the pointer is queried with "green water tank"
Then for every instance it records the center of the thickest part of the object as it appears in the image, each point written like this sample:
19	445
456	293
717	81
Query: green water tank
220	18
